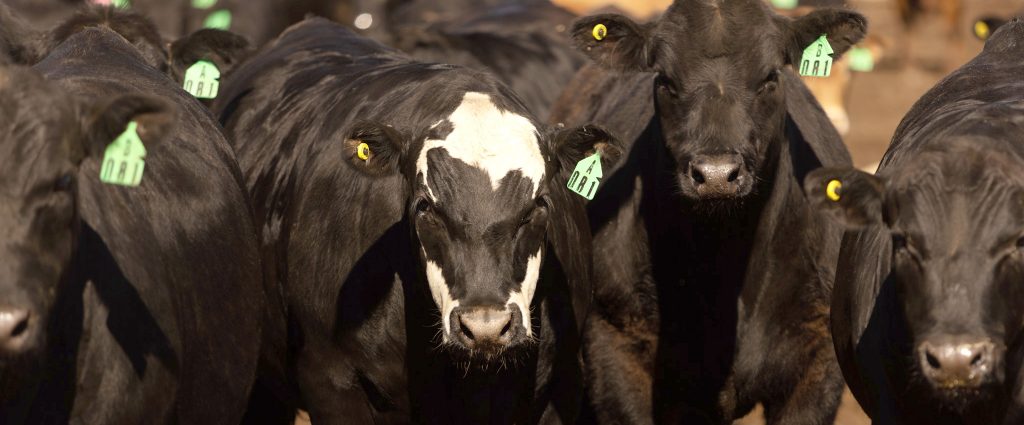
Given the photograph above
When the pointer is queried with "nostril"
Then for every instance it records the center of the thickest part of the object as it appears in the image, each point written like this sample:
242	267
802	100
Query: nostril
696	175
976	360
508	327
735	174
20	328
932	360
465	330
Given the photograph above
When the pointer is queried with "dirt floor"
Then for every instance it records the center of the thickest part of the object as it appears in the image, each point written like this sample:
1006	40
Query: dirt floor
878	100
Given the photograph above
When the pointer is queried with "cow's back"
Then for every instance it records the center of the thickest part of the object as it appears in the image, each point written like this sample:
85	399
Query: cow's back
180	248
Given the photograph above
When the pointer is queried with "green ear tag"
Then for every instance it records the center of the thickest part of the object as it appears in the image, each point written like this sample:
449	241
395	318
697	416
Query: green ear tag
785	4
861	59
123	163
123	4
218	20
203	4
817	59
587	176
201	80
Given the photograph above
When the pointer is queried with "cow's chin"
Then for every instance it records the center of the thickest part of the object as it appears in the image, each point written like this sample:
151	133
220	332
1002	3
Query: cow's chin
963	401
491	357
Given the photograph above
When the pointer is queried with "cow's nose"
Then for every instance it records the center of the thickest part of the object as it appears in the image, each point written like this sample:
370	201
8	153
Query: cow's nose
957	364
15	330
485	326
717	176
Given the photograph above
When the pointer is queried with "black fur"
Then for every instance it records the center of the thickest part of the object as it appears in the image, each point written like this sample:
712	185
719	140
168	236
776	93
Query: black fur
706	306
943	256
144	301
356	331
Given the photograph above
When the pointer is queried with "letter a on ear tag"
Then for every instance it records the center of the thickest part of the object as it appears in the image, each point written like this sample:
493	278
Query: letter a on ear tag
123	162
201	80
587	176
817	59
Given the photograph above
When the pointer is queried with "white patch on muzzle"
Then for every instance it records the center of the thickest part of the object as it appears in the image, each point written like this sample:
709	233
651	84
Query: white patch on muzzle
490	139
524	296
442	296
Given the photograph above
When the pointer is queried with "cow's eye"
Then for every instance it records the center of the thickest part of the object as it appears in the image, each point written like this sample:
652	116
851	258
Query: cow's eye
899	241
1020	243
63	184
770	82
665	85
422	206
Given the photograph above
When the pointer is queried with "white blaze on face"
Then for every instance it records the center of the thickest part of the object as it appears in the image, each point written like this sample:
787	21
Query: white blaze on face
487	138
524	296
442	296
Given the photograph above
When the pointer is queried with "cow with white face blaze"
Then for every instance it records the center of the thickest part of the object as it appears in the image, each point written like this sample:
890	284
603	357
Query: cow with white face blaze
406	207
928	308
713	274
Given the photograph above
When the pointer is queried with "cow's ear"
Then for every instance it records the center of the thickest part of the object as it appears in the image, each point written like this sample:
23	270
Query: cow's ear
155	119
613	41
844	29
224	49
852	197
572	145
374	148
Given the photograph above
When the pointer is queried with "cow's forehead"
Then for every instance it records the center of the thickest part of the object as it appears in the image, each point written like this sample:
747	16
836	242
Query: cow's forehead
480	134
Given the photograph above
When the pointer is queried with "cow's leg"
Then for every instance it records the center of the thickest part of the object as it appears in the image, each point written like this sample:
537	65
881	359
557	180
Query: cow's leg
331	390
815	398
618	380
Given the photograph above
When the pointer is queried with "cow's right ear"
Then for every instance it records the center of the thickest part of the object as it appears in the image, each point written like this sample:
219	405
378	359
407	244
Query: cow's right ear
374	148
155	119
613	41
224	49
852	197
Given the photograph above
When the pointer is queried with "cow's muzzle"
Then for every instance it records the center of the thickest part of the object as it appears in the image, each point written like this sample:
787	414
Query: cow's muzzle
16	331
958	363
718	176
486	330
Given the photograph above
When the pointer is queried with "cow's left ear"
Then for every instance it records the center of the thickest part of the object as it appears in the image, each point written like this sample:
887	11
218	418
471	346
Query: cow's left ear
852	197
613	41
226	50
154	117
572	145
374	148
844	29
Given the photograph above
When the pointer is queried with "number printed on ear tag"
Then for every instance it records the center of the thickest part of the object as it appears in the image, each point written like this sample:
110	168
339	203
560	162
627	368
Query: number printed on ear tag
123	161
817	59
587	176
201	80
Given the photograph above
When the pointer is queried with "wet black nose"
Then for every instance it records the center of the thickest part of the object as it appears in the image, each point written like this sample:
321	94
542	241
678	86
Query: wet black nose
957	363
15	330
479	327
717	176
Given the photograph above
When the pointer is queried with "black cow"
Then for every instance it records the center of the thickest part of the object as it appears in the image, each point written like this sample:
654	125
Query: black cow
431	263
713	273
928	305
523	43
120	305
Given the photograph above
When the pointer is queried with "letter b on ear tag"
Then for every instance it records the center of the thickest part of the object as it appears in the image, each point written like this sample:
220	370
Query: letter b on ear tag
123	161
201	80
817	59
586	177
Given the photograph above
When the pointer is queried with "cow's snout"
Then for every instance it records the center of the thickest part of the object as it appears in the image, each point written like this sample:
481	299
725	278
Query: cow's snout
957	363
15	330
718	176
481	328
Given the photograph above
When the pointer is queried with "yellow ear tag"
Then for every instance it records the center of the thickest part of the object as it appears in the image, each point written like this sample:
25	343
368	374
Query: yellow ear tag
981	30
599	32
363	151
833	190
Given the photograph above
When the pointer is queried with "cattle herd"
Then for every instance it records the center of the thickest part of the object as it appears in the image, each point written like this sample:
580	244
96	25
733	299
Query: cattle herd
494	212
